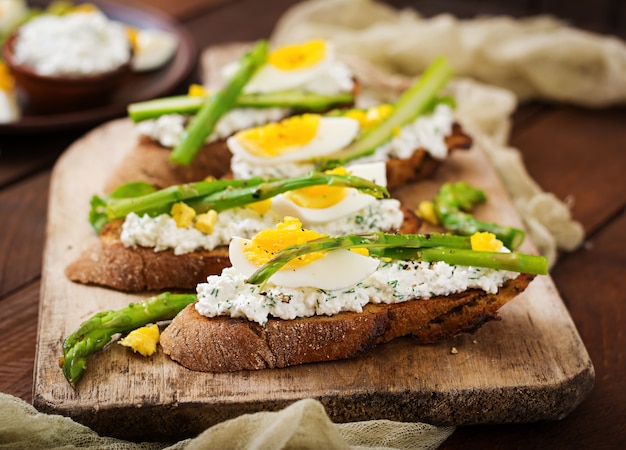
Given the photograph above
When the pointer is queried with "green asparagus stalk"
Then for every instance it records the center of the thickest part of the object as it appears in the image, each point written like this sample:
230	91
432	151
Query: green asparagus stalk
97	331
220	195
413	102
161	201
451	204
190	105
375	242
203	123
455	250
231	198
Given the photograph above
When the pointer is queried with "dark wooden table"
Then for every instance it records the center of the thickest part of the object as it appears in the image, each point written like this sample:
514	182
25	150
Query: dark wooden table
576	153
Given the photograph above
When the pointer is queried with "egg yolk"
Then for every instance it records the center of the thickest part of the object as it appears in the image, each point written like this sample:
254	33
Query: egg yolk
282	137
197	90
142	340
319	197
298	56
6	80
371	116
485	241
267	243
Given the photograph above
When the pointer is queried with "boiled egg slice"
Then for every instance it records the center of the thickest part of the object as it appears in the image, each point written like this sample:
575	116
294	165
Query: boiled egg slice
292	66
337	269
9	108
323	204
297	138
151	48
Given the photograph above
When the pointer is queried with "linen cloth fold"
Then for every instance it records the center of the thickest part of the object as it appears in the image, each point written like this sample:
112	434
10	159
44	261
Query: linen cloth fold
302	425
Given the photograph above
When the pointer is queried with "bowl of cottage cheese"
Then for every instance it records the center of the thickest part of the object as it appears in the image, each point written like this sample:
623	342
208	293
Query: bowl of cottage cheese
68	62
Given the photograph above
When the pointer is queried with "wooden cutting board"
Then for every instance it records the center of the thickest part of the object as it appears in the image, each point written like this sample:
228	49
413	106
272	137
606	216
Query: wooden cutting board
529	366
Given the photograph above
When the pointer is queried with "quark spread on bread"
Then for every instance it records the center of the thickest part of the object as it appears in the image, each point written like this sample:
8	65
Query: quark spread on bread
326	209
327	284
427	131
168	129
309	67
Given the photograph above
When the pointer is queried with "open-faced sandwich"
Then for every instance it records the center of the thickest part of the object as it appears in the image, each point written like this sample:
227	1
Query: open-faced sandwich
174	238
184	138
295	296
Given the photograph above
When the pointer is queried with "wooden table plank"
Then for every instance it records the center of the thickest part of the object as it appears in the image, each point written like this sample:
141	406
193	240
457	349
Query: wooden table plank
23	210
18	323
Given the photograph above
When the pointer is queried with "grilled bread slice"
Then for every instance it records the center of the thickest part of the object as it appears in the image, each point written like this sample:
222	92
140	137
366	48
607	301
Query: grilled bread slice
109	263
148	161
224	344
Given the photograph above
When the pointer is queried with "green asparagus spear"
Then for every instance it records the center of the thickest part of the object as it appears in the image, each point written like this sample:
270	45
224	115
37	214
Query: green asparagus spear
220	195
451	204
455	250
203	123
97	331
231	198
413	102
184	104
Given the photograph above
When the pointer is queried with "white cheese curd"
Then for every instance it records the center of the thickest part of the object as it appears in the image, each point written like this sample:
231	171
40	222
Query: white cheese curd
242	168
161	232
168	129
427	131
73	44
228	294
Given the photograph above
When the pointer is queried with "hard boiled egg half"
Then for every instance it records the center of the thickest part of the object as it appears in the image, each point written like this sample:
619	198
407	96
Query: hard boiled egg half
337	269
295	139
292	66
323	204
151	48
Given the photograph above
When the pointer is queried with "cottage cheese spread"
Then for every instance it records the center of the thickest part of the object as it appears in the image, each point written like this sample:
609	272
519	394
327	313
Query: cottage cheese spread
161	232
427	131
228	294
168	129
73	44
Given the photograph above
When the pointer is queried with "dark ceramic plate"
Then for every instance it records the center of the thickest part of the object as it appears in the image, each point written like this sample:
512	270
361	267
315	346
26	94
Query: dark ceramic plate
139	87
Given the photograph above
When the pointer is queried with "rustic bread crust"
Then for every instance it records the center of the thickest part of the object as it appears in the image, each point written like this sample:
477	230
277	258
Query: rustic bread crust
148	161
109	263
420	165
224	344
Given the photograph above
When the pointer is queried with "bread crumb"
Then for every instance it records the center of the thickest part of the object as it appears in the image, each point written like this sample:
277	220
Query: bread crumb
454	351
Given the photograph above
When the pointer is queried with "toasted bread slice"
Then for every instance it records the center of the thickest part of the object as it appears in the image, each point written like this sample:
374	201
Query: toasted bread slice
421	165
148	161
109	263
224	344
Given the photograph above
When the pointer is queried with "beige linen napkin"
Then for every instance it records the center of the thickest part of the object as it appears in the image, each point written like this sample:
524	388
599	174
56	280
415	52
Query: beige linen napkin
303	425
499	61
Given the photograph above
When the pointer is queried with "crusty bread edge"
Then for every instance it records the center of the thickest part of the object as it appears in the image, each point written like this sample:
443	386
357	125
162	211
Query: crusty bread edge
225	344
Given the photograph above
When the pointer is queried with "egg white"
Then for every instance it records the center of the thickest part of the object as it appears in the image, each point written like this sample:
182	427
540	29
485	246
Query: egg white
338	269
333	134
351	203
269	78
153	49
